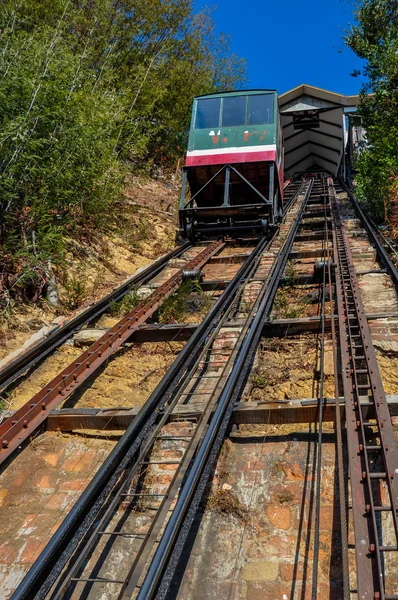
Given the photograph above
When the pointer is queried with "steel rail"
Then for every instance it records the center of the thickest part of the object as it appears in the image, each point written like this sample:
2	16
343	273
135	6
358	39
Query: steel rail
175	533
361	374
338	423
294	196
72	576
383	255
321	399
62	584
345	303
147	546
41	576
16	429
53	340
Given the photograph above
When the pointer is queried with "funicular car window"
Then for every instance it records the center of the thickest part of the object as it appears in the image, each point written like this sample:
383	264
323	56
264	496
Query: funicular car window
261	109
208	113
234	111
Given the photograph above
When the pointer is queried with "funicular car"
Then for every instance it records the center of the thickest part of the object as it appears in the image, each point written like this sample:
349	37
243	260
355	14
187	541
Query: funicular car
234	165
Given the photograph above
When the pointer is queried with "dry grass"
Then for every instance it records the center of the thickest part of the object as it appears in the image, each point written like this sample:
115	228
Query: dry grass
225	502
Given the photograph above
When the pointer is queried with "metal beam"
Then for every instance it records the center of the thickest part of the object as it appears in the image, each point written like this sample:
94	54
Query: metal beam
314	213
291	327
221	210
266	201
315	144
191	201
32	414
255	413
214	285
75	524
36	353
271	189
226	185
329	135
229	259
312	237
296	255
180	332
183	187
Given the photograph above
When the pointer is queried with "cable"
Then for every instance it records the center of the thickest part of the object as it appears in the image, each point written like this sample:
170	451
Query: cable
320	407
339	442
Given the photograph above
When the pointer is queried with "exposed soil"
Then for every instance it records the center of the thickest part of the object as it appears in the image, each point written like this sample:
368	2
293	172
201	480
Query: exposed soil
44	373
24	321
142	230
388	365
130	378
295	302
289	368
127	380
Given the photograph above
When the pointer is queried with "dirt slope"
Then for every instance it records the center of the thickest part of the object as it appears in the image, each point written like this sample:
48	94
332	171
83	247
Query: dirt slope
142	229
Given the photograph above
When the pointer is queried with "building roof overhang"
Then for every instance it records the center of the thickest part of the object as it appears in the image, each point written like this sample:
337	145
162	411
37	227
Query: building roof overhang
313	126
327	95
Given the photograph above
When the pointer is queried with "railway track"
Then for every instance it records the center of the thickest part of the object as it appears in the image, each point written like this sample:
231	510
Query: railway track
14	431
252	302
37	353
123	513
196	343
372	447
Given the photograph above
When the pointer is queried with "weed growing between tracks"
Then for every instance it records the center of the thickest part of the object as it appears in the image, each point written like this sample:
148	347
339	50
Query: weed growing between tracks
259	381
189	298
288	368
126	304
286	307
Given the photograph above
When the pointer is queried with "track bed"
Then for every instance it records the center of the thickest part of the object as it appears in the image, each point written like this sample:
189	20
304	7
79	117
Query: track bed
236	477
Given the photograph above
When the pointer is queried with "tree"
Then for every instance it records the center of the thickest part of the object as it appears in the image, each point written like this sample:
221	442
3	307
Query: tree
88	90
374	38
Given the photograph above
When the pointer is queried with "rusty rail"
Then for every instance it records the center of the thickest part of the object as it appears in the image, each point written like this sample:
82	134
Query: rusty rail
59	335
15	430
370	441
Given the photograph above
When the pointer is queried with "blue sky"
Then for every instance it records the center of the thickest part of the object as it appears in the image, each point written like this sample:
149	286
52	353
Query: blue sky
289	42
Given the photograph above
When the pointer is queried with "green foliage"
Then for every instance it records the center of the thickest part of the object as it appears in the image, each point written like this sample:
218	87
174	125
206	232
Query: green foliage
75	292
287	306
127	303
259	381
176	306
89	90
290	272
375	40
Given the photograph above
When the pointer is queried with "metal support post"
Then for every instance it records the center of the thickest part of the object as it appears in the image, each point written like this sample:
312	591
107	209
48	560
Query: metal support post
226	186
271	191
183	187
